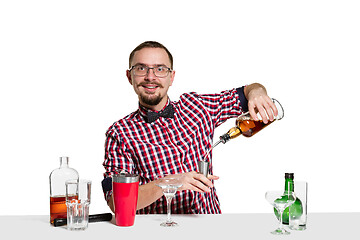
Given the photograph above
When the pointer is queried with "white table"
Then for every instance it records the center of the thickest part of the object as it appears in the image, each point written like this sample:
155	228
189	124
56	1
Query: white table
202	227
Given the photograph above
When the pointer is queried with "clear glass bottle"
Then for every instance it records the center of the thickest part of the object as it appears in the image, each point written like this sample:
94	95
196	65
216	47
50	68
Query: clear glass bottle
296	208
57	180
246	126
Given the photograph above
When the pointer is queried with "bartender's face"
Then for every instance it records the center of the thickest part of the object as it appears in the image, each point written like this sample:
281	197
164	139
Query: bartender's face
151	89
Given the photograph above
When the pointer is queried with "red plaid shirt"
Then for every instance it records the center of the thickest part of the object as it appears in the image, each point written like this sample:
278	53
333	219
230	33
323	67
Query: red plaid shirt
171	146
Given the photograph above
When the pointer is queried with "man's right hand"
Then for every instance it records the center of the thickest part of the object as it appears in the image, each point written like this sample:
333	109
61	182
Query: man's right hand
195	181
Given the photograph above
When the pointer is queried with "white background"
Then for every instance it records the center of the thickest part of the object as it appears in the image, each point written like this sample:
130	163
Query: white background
62	72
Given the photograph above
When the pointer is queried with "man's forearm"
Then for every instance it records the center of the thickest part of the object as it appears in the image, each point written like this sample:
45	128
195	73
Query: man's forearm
148	193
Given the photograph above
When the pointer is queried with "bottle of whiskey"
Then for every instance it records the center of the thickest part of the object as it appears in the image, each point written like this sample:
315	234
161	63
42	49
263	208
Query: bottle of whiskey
247	127
57	180
296	208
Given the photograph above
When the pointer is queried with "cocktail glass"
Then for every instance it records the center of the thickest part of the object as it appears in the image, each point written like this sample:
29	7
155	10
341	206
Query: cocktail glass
169	187
280	200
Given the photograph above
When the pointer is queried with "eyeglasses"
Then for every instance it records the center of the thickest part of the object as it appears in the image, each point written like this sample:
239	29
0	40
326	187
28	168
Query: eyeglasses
141	70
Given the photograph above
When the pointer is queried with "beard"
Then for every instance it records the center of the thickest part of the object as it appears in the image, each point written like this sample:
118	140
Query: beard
151	100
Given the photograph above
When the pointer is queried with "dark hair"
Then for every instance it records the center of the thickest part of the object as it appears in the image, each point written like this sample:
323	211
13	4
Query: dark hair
150	44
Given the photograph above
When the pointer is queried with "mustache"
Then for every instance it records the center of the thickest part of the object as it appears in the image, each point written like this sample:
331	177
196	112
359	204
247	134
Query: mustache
147	83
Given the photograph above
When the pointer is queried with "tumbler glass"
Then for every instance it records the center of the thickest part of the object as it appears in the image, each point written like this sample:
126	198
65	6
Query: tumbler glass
298	221
78	194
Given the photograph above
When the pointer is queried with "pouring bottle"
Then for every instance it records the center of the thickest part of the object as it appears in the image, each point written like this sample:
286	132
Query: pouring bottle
245	125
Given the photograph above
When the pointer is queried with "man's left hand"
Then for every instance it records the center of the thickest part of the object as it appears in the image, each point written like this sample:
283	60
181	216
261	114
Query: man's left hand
260	102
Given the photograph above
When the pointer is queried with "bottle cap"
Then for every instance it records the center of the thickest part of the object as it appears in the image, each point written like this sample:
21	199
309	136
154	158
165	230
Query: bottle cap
289	175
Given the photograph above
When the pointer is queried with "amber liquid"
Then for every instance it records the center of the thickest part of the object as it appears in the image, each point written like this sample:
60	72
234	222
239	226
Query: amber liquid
250	127
58	207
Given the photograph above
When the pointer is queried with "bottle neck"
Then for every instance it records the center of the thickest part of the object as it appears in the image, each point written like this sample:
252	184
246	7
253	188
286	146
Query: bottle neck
231	134
64	162
289	184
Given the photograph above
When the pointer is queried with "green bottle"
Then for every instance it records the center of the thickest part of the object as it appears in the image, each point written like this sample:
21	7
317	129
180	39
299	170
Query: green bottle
296	208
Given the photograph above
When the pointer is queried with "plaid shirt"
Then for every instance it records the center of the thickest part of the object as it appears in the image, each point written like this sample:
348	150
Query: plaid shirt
171	146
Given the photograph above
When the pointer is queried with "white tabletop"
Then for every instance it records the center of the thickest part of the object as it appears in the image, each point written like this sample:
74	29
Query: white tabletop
223	226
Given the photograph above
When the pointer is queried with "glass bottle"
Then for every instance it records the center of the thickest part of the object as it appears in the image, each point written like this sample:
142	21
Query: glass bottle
57	180
296	208
247	127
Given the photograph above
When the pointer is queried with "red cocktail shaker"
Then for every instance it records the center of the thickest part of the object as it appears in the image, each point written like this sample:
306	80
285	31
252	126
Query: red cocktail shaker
125	194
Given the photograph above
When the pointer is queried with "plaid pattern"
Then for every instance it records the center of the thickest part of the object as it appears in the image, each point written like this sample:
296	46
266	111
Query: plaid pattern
171	146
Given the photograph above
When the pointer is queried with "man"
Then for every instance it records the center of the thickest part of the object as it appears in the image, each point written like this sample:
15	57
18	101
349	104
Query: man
164	138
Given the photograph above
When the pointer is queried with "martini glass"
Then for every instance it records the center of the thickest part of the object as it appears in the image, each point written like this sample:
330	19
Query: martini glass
280	200
169	187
